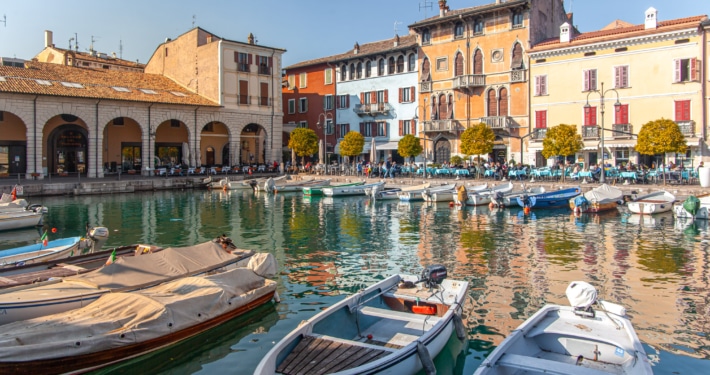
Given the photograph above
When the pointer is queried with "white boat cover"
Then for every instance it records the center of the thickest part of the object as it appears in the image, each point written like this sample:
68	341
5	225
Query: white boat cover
120	319
604	194
581	294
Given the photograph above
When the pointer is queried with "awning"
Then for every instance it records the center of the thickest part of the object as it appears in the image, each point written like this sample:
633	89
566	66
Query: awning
590	145
391	145
620	143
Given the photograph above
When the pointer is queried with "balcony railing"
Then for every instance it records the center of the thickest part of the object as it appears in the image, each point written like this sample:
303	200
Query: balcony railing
498	122
517	76
425	87
372	109
468	81
622	130
687	128
440	126
590	132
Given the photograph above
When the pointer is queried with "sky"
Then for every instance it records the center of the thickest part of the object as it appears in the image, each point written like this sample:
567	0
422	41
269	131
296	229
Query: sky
306	29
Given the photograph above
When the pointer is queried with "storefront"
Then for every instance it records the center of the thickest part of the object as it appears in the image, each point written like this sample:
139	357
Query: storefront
68	149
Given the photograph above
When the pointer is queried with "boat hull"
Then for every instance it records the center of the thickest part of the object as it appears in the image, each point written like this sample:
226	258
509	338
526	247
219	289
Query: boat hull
19	220
341	191
315	191
559	198
56	249
654	203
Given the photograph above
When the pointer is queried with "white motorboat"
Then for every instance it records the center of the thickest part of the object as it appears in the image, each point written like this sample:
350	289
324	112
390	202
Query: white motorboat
601	198
510	199
416	194
654	203
250	183
55	249
297	186
483	197
340	191
27	218
694	207
392	327
388	194
574	339
448	195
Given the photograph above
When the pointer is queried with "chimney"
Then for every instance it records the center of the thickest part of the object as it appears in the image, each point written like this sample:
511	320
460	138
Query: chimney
48	42
396	40
565	33
356	48
443	8
651	18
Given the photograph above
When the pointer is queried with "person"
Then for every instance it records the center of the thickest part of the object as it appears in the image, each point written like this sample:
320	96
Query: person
392	169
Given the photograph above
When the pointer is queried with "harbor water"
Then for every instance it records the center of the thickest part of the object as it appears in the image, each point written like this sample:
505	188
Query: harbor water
327	248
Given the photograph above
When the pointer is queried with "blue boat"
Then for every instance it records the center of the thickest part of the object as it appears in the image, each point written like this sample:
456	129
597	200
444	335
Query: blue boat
559	198
60	248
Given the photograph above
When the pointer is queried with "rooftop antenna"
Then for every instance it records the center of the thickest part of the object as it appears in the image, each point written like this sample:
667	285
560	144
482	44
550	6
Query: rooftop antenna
424	5
4	20
91	46
395	26
194	18
76	42
120	49
70	39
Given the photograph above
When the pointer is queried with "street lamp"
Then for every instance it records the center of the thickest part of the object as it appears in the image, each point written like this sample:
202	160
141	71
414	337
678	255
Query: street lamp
617	107
325	125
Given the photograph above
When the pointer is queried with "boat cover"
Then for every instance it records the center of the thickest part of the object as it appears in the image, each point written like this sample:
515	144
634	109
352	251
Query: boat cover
120	319
604	194
581	294
692	204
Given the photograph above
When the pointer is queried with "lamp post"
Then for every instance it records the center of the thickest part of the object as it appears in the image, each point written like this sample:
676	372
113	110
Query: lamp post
602	93
327	120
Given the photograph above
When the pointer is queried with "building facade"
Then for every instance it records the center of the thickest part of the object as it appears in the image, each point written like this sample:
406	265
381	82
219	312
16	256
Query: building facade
612	81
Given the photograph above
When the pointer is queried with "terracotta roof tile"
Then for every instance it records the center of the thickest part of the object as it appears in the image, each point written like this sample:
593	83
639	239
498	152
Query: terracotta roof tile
96	84
110	59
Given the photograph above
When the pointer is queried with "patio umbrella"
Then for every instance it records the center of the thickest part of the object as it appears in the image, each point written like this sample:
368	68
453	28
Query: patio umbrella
321	152
185	153
373	152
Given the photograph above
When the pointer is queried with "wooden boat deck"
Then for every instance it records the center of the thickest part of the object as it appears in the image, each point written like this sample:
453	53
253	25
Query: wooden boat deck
60	270
323	355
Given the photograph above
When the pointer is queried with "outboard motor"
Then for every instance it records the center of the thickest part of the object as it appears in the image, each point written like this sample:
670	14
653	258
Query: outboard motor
433	275
98	236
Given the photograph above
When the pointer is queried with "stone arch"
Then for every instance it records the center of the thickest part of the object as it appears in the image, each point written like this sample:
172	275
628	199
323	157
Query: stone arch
252	148
122	145
442	150
67	148
478	61
13	144
215	134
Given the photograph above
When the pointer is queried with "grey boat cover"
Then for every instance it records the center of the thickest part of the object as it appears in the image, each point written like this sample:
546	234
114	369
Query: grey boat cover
604	194
120	319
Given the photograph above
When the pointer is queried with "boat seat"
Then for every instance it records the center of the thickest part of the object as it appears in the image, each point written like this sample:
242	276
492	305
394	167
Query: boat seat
399	315
540	365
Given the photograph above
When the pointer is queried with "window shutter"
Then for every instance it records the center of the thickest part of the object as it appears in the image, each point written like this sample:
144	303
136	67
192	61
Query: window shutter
271	61
414	127
387	96
624	76
624	111
677	70
538	81
362	98
411	92
586	80
693	69
249	59
384	128
401	127
373	96
236	56
401	93
373	128
544	119
347	128
593	79
347	101
617	76
543	85
362	128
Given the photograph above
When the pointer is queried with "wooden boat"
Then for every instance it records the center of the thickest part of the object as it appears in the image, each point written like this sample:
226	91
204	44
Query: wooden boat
389	194
416	194
558	198
601	198
121	326
340	191
55	249
574	339
298	186
654	203
22	219
694	207
124	274
318	190
510	199
447	195
390	327
483	197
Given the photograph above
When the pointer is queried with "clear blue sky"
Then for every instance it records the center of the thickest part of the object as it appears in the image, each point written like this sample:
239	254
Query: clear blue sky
307	29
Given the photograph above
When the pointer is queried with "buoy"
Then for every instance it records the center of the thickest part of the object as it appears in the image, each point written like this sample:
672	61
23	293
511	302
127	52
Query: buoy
451	204
425	358
491	205
526	210
460	330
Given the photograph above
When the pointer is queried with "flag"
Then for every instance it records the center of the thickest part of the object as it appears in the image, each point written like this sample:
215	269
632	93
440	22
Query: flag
111	258
14	192
44	239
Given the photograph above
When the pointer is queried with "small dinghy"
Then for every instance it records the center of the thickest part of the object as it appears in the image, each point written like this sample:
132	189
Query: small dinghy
574	339
601	198
654	203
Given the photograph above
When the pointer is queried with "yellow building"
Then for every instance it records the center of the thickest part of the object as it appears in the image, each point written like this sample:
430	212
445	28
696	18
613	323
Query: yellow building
612	81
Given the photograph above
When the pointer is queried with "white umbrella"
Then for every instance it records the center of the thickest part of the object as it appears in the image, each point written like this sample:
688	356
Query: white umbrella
321	152
185	153
373	152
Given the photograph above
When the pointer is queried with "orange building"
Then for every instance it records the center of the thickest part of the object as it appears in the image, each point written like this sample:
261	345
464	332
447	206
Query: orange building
473	68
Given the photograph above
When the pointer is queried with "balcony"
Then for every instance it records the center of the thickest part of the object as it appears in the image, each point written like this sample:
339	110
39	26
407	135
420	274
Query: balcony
469	81
517	76
622	131
450	126
425	87
590	132
372	109
498	122
687	128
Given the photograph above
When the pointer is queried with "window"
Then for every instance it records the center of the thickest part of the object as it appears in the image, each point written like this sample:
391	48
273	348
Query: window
682	110
302	105
341	130
426	36
264	65
517	58
382	129
366	128
303	80
412	63
686	70
328	102
382	96
381	67
406	127
329	129
264	94
406	94
343	72
517	19
359	70
291	106
303	124
540	119
242	61
149	91
328	76
73	85
243	92
590	116
621	116
590	79
291	81
368	68
400	64
367	97
458	30
478	62
541	85
458	65
478	27
352	72
120	89
343	101
390	65
621	155
621	76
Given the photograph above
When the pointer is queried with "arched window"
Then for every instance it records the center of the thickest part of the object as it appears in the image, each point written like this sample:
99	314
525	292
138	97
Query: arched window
352	71
517	58
426	36
400	64
450	109
492	103
478	62
478	26
503	102
390	65
381	67
412	62
343	72
368	68
434	111
359	70
426	70
458	30
443	107
458	64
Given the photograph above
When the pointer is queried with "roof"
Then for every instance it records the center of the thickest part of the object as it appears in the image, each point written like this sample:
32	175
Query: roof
468	12
110	59
621	31
78	82
405	42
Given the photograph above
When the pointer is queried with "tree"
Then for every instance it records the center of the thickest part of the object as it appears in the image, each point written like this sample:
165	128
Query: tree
303	142
409	146
660	137
477	140
562	140
456	160
352	144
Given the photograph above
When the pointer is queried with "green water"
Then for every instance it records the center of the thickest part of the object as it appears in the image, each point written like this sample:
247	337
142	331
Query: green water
327	248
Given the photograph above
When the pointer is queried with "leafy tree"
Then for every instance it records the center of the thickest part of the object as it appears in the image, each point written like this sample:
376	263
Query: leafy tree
304	142
561	140
477	140
660	137
409	147
352	144
456	160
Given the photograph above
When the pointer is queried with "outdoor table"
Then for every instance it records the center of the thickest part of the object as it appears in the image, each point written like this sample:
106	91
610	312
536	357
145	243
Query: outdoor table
627	176
489	173
462	172
585	175
442	172
517	173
